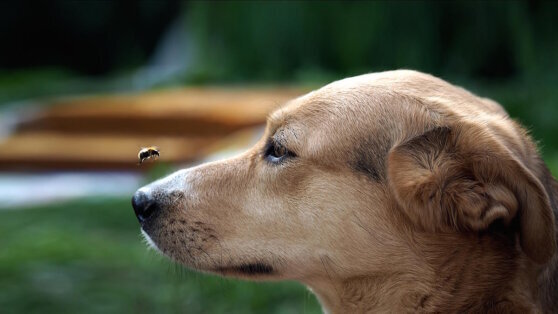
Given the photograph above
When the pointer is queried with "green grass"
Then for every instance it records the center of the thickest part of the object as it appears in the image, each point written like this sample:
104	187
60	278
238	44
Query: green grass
88	257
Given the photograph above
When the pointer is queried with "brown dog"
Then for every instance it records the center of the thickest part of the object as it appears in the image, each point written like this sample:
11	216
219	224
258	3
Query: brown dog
390	192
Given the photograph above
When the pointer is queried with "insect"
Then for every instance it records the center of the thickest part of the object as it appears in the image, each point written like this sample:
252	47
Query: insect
147	153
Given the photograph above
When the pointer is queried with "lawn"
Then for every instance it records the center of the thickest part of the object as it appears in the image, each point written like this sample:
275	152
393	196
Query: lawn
88	257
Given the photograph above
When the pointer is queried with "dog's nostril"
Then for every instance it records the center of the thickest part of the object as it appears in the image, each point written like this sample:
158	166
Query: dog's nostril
144	206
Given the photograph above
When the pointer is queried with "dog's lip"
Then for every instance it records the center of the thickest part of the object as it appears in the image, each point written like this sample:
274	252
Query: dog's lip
149	241
253	268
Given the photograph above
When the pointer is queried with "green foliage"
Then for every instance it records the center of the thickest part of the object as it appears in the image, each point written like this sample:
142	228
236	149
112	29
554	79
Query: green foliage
88	257
276	40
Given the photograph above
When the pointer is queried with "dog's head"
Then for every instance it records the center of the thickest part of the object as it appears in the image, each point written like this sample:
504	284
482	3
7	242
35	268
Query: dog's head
344	179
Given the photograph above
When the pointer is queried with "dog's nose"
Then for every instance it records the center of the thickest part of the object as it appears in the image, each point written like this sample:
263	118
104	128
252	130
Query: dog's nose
144	206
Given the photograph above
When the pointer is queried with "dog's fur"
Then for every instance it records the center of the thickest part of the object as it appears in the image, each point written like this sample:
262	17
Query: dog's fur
399	193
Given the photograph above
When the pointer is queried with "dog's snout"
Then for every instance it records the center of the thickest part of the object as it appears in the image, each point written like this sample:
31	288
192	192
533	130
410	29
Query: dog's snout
144	206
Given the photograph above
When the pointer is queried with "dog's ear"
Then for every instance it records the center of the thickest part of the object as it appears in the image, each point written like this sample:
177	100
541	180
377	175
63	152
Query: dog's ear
463	179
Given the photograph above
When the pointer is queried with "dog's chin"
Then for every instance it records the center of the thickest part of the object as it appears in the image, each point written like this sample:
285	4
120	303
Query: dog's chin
248	270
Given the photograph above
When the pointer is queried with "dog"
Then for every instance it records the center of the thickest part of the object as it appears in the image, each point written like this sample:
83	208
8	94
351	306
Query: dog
387	192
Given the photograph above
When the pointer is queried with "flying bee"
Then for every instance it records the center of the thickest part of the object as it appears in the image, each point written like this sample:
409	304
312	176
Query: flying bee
151	152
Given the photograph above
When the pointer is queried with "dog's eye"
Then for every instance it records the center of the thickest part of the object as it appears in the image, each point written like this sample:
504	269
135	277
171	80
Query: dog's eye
276	153
279	151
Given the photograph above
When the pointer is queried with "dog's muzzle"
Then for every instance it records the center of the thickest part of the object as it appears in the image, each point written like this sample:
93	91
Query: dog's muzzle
157	197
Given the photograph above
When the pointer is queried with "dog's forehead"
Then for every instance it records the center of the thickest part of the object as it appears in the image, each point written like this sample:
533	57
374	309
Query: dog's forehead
381	107
330	107
357	95
327	122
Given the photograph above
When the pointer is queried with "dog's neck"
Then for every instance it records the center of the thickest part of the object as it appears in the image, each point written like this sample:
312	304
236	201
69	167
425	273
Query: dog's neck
470	279
374	294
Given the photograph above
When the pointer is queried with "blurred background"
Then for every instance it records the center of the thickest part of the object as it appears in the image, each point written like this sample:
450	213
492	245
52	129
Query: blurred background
85	84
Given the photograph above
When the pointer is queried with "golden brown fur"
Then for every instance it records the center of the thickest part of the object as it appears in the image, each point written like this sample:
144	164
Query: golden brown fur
402	194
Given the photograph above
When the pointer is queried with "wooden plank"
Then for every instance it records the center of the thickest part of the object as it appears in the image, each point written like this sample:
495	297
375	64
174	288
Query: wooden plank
189	111
55	151
106	132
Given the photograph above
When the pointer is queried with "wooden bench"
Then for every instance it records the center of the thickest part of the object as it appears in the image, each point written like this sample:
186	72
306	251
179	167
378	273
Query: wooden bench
106	132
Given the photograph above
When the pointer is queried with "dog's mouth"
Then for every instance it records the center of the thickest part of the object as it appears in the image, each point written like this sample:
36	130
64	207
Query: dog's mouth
247	269
150	243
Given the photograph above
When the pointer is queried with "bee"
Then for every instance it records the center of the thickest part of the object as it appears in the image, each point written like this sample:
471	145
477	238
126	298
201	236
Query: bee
148	153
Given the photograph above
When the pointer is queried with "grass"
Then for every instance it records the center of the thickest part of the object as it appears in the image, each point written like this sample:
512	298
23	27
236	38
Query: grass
87	257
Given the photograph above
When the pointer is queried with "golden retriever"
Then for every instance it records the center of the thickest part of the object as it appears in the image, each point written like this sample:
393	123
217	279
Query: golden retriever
388	192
